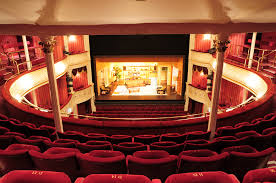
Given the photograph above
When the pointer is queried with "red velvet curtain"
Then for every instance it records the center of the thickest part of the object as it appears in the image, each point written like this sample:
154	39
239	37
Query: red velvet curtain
79	77
76	45
58	49
202	45
38	51
43	94
199	78
231	94
235	47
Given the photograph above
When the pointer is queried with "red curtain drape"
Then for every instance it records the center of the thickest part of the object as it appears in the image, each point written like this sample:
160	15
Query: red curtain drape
199	77
202	45
235	47
43	94
231	94
58	49
79	77
76	45
38	51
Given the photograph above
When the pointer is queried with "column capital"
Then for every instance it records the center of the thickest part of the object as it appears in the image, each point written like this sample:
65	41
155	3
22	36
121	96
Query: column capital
48	44
221	46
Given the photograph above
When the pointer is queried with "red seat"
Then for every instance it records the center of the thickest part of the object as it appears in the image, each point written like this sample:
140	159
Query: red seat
260	175
3	130
115	178
239	162
156	164
202	177
128	148
33	176
15	159
57	159
93	145
69	143
15	147
36	142
116	139
75	135
201	144
269	130
14	134
243	148
170	147
146	139
195	135
97	137
5	141
201	160
246	133
102	162
175	137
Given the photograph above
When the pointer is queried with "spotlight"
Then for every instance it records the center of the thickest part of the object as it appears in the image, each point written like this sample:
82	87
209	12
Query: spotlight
206	36
72	38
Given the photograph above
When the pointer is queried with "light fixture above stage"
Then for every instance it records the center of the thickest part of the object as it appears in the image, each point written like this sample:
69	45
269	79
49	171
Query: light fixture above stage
72	38
206	36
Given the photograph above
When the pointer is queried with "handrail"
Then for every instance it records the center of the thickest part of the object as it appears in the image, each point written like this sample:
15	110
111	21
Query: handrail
259	59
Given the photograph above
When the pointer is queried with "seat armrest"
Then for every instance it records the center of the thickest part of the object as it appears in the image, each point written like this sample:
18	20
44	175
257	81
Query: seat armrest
78	180
156	181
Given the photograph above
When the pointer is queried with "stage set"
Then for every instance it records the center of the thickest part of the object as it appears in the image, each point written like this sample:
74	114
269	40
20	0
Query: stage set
131	72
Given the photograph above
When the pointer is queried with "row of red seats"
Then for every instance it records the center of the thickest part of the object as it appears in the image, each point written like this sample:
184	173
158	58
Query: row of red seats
141	112
262	125
154	164
19	176
253	176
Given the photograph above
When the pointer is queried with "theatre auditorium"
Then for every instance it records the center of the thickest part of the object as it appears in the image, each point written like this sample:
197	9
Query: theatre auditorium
137	91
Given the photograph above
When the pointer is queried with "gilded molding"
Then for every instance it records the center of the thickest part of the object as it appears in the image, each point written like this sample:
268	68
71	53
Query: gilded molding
48	44
221	46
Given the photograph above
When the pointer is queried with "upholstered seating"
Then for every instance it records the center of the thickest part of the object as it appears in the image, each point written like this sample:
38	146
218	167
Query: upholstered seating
156	164
198	135
97	136
264	124
114	178
223	143
74	135
3	130
260	175
201	160
260	142
36	142
201	144
169	146
15	147
175	137
243	148
116	139
246	133
69	143
202	177
240	162
269	130
16	157
93	145
5	141
38	132
128	148
33	176
146	139
15	134
231	131
102	162
57	159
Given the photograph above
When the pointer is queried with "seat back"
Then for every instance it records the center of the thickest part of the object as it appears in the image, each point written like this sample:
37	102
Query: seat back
260	175
115	178
128	148
239	163
201	160
170	147
33	176
146	139
202	177
102	162
157	168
